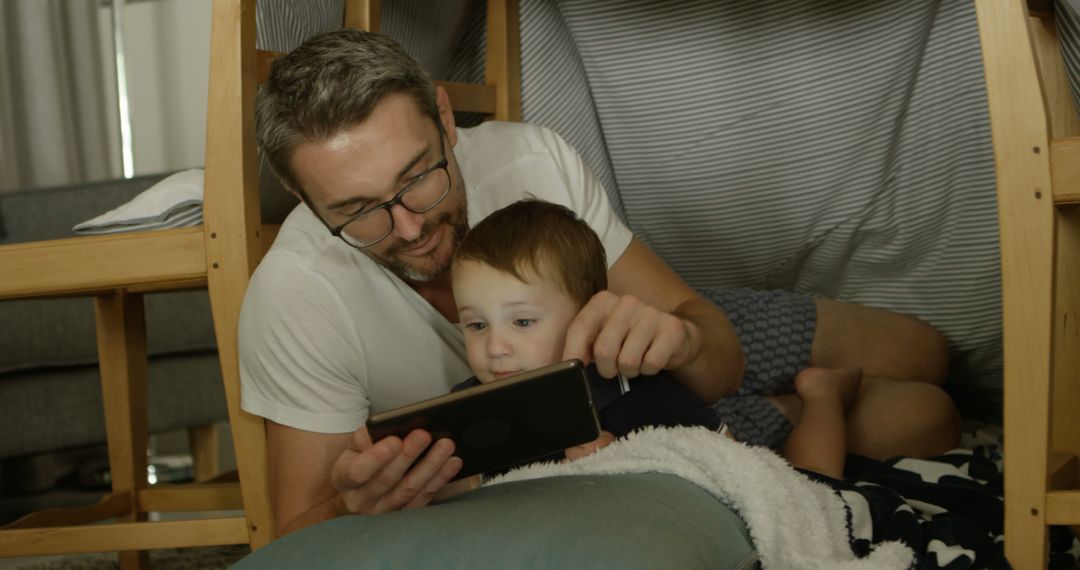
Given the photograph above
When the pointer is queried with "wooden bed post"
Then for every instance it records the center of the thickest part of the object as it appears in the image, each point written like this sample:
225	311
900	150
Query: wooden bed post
1037	158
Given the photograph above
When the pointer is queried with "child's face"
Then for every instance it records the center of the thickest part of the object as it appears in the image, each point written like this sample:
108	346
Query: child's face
510	326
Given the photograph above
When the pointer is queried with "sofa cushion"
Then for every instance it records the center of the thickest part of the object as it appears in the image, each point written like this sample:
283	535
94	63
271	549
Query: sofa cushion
50	213
615	521
60	407
57	332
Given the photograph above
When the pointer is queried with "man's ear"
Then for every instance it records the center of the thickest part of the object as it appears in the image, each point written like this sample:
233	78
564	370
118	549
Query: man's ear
446	114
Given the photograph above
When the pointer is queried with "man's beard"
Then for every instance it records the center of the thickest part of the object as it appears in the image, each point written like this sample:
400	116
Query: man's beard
459	224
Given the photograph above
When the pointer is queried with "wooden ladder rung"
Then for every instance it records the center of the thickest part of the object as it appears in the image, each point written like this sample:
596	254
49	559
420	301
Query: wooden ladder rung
190	498
1065	170
158	259
110	507
1063	507
123	536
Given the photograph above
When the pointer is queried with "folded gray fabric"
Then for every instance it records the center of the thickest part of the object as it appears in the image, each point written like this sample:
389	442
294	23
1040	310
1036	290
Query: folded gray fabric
174	202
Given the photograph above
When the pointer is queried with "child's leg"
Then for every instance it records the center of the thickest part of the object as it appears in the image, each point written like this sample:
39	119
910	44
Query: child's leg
818	439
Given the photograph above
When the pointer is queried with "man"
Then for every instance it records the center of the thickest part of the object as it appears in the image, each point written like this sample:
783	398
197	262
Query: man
351	311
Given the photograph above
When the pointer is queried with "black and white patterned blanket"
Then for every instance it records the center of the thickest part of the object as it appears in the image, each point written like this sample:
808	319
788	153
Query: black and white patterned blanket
945	512
949	509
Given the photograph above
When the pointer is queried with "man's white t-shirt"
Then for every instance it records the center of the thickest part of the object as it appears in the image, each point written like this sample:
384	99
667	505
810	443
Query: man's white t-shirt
327	336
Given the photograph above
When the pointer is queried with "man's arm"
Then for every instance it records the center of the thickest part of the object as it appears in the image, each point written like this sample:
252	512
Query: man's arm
316	477
299	471
651	320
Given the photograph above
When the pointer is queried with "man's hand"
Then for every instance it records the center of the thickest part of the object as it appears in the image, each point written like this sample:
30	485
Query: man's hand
378	478
625	335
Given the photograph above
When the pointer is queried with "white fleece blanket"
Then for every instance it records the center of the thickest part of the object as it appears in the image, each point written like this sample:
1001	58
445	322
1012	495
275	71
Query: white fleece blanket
795	522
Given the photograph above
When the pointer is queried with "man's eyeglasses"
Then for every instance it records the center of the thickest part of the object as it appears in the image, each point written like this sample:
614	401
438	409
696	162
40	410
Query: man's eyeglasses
422	193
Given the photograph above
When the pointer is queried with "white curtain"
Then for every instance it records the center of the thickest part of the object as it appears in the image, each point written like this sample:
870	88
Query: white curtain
53	121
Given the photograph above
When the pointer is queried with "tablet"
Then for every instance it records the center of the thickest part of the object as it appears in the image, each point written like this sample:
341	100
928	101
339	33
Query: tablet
504	423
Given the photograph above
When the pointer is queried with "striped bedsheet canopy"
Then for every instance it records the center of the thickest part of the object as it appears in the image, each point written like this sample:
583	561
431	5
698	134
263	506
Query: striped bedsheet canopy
834	148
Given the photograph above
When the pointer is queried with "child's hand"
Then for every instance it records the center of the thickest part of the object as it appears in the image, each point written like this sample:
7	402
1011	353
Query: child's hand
584	449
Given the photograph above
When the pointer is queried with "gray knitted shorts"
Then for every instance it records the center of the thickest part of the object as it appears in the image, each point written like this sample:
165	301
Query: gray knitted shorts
776	331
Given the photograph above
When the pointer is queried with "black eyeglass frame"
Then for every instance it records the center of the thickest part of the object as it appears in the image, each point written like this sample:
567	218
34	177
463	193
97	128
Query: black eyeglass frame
443	164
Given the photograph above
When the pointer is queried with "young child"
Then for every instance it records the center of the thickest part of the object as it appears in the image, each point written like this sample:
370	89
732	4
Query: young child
519	278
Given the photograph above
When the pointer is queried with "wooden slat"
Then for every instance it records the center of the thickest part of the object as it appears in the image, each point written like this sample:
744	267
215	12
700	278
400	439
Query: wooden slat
19	259
191	498
1065	170
502	65
1020	130
267	236
1056	92
123	536
183	284
363	15
121	340
232	231
1063	507
470	97
1062	471
110	507
86	265
263	60
204	445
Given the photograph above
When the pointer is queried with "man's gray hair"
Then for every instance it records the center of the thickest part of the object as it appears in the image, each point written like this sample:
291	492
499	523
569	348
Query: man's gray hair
331	83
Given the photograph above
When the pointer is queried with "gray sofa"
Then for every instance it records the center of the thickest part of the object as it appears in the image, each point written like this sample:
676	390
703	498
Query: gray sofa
50	391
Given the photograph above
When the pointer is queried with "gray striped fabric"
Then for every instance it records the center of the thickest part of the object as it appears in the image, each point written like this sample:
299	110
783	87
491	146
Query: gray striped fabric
1068	24
837	148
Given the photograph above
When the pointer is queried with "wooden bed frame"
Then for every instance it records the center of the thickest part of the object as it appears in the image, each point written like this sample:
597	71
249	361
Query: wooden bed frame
221	255
1036	138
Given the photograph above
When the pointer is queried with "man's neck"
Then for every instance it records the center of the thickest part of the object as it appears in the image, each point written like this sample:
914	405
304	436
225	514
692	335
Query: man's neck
439	293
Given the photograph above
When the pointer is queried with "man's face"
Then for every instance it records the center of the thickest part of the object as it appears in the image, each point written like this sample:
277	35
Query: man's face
368	164
510	326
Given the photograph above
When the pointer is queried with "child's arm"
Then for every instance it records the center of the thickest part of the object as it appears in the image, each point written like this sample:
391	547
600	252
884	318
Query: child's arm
584	449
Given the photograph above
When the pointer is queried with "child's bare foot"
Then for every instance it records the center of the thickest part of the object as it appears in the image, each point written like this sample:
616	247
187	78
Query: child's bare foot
829	383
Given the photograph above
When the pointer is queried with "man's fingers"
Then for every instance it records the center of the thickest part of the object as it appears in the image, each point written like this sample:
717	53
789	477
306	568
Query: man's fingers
668	339
412	447
392	473
582	331
410	485
636	345
364	477
610	351
436	483
355	468
623	334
